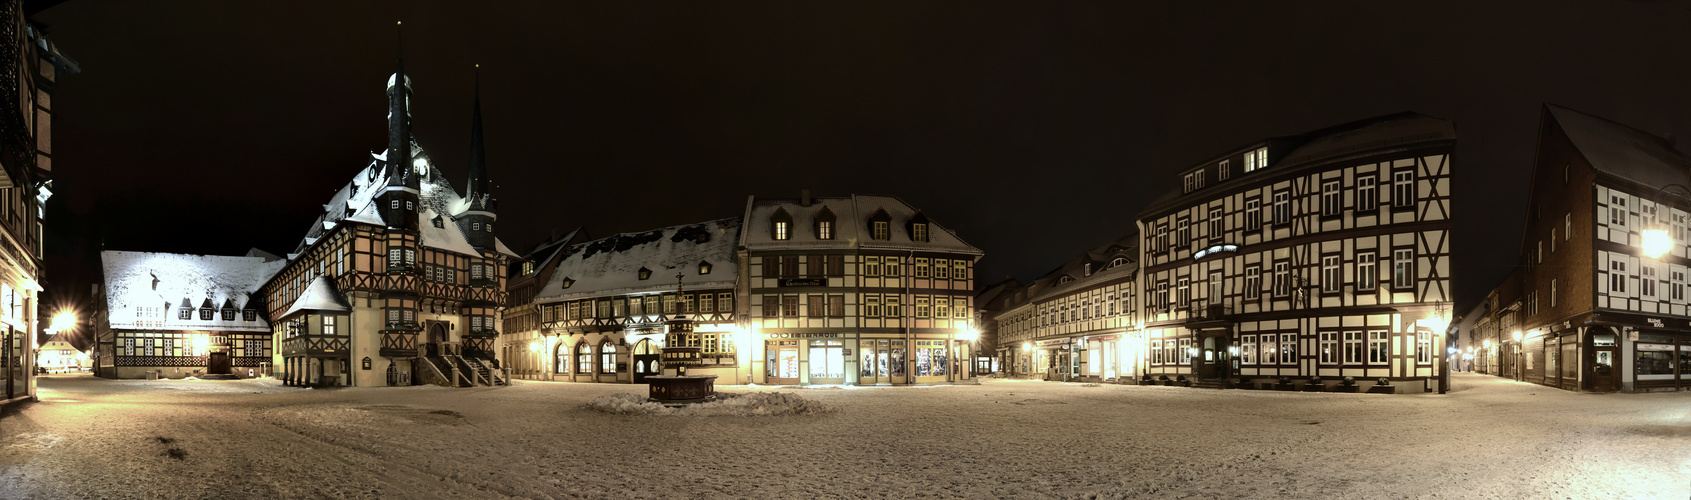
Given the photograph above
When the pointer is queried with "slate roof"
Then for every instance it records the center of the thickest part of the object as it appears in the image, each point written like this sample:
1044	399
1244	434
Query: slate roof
166	280
852	216
1623	151
320	296
610	266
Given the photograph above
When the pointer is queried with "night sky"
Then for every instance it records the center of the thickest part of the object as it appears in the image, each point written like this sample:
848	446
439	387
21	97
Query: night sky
1034	129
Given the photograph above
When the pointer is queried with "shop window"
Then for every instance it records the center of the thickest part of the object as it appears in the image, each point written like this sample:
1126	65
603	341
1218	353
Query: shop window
827	359
584	358
607	357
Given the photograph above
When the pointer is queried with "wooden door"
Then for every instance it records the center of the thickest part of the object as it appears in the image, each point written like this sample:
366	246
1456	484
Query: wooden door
218	363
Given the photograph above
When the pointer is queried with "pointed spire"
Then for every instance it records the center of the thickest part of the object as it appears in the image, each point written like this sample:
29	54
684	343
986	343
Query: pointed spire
399	119
478	166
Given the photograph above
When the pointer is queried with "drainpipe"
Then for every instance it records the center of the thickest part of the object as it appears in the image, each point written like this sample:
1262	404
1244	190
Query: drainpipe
909	326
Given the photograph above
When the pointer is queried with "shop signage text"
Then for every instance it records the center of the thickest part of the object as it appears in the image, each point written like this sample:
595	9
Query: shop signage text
786	282
803	335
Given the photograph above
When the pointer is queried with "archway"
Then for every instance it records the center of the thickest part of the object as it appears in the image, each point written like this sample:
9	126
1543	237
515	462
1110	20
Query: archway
645	360
435	335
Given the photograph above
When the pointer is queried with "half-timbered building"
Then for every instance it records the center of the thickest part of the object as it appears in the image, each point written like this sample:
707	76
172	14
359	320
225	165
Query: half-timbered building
1323	255
30	65
603	309
166	315
1598	310
1078	322
860	289
401	280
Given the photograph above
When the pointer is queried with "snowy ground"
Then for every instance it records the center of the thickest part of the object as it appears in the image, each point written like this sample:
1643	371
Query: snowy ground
1004	439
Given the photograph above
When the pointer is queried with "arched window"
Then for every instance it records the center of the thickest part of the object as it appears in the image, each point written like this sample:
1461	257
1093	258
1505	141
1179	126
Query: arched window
644	347
1118	261
584	358
607	357
563	360
1064	279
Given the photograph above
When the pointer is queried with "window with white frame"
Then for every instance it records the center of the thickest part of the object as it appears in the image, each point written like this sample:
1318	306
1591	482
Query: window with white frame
1215	223
1379	347
1160	243
1266	349
1423	347
1647	280
1329	353
1403	188
1282	279
1367	193
1567	226
1250	161
1222	170
1617	275
1253	214
1282	207
1199	175
1262	158
1215	287
1677	294
1288	349
1552	293
783	230
1183	232
1185	351
1253	282
1183	291
1366	272
1403	269
1189	183
1332	202
825	230
1353	348
1331	277
1162	295
1617	211
1248	349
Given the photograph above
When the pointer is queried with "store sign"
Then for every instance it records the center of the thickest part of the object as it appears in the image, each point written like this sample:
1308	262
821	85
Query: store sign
803	335
1655	322
786	282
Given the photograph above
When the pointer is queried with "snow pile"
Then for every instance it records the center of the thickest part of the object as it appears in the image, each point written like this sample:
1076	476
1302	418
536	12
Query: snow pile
766	404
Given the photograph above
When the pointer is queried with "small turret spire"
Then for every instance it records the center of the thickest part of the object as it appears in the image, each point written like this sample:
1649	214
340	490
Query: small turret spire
478	162
399	119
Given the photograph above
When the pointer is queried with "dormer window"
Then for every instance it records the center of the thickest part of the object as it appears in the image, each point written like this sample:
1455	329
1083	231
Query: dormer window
438	222
568	282
1064	279
205	310
475	226
249	315
1118	261
489	227
228	310
1088	268
186	312
879	229
781	225
825	224
1256	160
645	273
704	268
919	231
528	267
1222	169
880	225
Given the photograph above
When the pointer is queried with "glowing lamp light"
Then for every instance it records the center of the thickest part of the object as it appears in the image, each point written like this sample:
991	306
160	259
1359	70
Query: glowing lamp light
202	342
1027	346
534	347
1657	243
65	320
1517	336
421	164
1488	343
969	335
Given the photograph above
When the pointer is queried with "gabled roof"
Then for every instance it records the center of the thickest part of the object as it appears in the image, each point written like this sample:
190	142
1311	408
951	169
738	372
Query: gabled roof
165	280
852	215
320	296
1623	151
609	266
1099	257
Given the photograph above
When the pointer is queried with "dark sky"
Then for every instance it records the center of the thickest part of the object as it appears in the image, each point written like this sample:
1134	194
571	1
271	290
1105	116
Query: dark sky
1035	129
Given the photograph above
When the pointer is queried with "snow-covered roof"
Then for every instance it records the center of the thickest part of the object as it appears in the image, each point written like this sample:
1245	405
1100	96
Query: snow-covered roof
1621	150
610	266
57	342
445	236
356	202
852	216
161	282
319	296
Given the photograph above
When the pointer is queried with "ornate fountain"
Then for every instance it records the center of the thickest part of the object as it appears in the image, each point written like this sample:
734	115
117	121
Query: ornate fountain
680	388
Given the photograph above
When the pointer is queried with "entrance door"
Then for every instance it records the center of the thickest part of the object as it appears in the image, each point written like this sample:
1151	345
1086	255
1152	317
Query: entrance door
881	362
645	361
781	364
1601	376
1214	360
218	363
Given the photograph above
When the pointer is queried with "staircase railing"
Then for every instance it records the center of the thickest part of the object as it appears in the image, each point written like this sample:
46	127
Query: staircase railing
443	380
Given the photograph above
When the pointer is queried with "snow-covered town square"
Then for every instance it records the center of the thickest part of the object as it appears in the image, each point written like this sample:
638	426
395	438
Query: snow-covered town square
95	438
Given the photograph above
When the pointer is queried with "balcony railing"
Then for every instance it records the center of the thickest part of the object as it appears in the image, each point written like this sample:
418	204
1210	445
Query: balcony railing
402	326
1203	311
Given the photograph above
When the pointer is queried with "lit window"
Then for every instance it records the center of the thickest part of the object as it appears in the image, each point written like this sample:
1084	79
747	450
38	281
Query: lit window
825	230
880	230
1379	347
1423	347
704	268
919	231
781	232
1329	348
1262	158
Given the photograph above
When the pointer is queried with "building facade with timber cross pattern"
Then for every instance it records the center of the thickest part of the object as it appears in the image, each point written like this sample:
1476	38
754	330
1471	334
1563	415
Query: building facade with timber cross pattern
400	281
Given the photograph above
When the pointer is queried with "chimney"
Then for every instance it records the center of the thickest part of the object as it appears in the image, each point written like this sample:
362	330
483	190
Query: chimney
804	197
